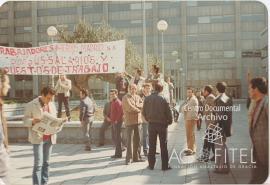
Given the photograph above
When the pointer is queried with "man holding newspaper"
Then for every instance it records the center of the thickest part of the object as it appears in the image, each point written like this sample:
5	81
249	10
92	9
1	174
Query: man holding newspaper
40	118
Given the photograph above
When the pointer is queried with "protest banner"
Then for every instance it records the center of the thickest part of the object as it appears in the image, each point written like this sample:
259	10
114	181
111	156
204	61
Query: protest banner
65	58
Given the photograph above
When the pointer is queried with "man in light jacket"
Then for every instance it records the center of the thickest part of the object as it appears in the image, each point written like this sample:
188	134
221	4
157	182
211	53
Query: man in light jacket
42	144
190	111
4	156
208	104
63	87
138	79
132	106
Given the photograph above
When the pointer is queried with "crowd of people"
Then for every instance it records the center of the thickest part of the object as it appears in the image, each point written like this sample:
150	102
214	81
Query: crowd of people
138	111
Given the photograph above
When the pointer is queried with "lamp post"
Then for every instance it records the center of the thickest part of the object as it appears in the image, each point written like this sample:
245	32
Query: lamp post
180	74
162	26
52	32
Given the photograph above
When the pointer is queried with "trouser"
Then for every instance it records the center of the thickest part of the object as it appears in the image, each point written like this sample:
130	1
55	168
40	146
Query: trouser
87	131
190	125
102	130
221	156
4	158
260	173
144	137
207	146
63	99
199	124
42	154
160	130
133	142
116	134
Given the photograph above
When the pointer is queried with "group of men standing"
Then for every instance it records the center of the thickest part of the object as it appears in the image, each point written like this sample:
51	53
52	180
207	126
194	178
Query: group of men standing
146	110
135	104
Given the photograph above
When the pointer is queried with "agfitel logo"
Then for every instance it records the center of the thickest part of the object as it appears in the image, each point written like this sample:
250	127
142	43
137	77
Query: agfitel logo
213	134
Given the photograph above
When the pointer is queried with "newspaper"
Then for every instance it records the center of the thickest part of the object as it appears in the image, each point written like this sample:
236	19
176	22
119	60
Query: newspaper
49	124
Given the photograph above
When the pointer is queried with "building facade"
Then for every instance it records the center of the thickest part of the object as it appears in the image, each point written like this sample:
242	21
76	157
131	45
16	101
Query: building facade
206	41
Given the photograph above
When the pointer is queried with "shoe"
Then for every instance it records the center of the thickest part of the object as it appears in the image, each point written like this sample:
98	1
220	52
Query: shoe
221	172
189	153
138	160
165	169
123	149
212	158
157	153
116	157
128	162
69	119
150	168
87	148
100	144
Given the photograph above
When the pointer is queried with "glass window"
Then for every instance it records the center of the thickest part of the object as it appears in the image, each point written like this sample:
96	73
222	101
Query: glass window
136	22
203	20
3	31
253	17
229	54
192	3
119	7
138	6
92	9
23	29
57	11
204	55
21	14
3	15
204	28
192	29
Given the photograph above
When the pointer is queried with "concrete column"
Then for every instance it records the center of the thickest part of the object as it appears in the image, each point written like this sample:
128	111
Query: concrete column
34	44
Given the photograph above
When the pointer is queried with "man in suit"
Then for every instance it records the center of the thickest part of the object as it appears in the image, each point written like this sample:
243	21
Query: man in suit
258	128
223	102
132	107
208	104
190	111
157	113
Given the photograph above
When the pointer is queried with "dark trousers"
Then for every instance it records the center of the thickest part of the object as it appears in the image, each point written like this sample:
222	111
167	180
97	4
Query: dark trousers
102	130
161	131
116	134
207	146
63	99
133	142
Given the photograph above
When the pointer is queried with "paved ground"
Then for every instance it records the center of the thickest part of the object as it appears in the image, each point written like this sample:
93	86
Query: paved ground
70	164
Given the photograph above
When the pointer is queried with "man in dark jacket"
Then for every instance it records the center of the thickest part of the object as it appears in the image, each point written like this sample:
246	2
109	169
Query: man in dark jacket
87	110
106	123
157	113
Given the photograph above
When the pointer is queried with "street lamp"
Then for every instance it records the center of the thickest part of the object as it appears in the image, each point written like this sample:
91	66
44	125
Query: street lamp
52	32
162	26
